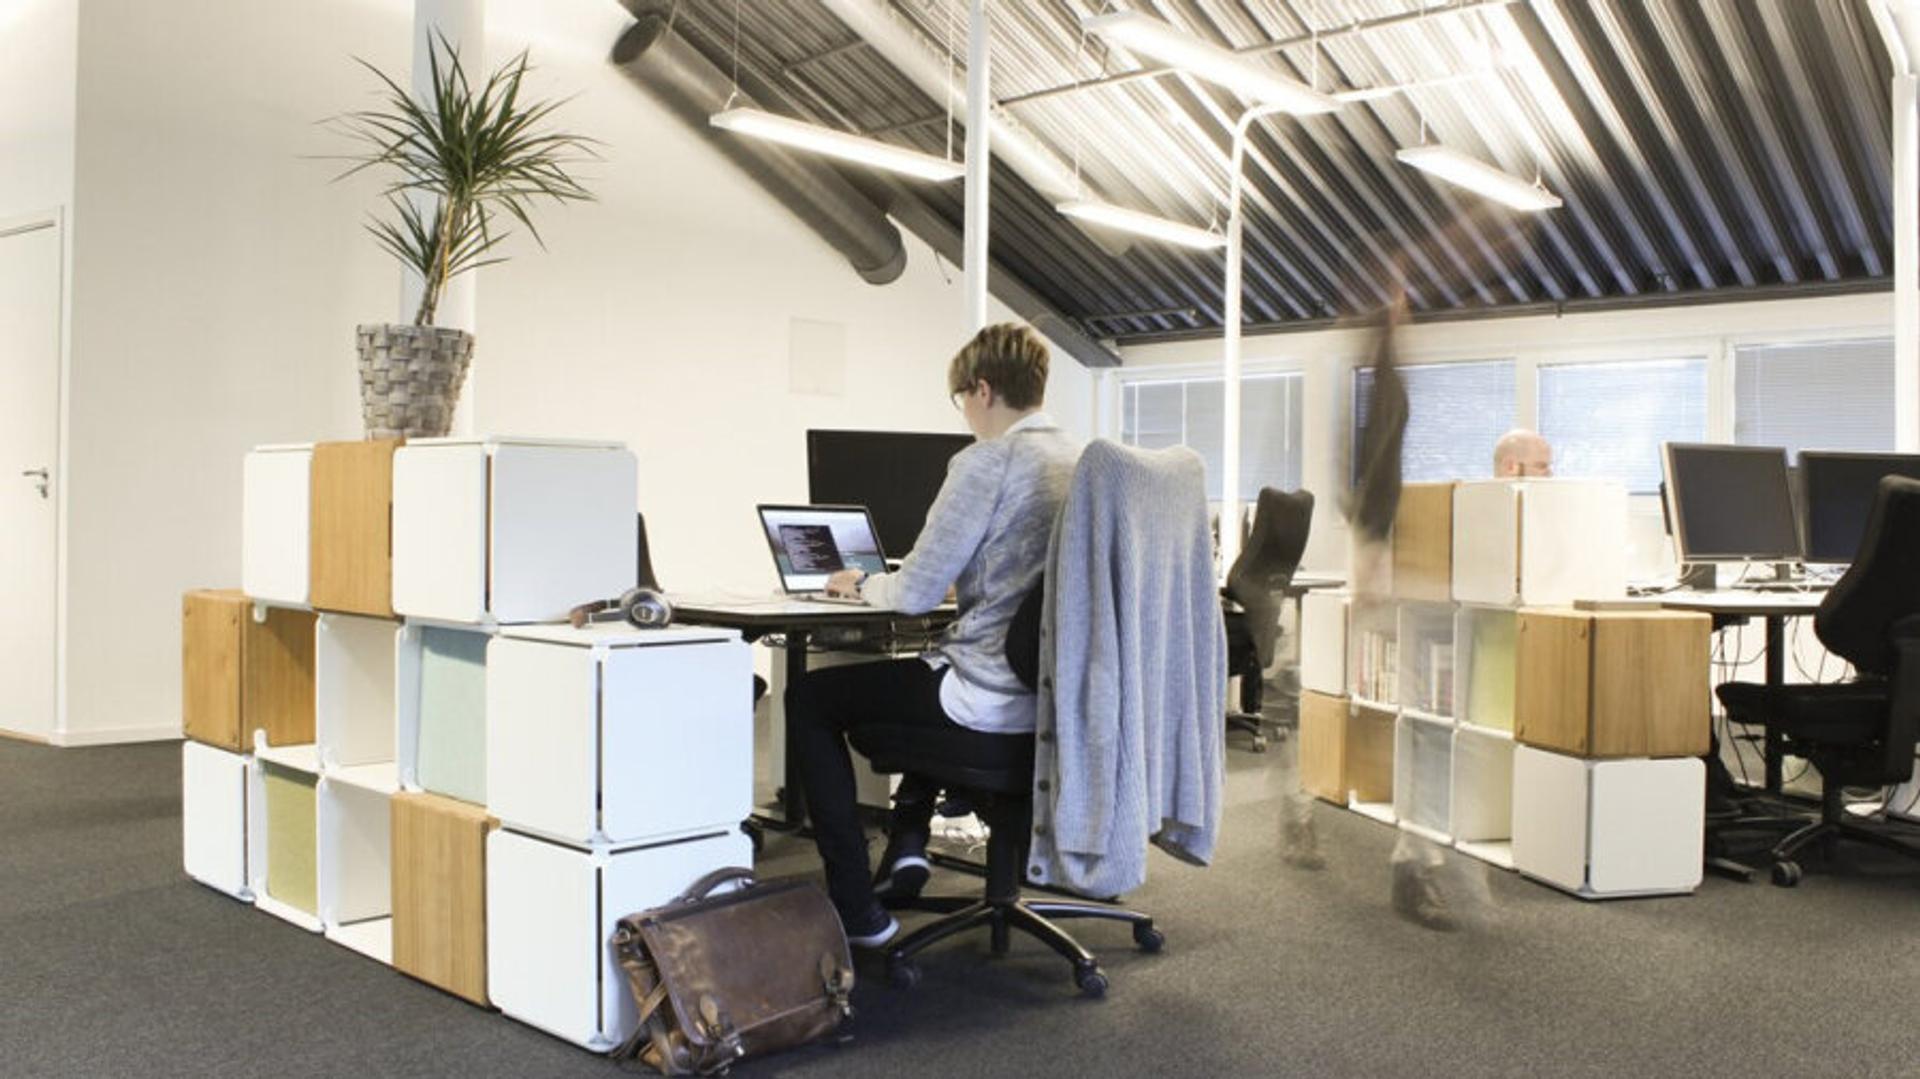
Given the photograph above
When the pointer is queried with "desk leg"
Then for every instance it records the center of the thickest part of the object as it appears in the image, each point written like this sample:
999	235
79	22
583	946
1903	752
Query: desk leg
793	802
1776	676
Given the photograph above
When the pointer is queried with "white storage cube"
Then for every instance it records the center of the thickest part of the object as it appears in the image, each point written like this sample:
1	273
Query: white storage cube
1484	641
511	530
1539	542
353	684
441	700
355	863
213	811
551	914
871	788
282	851
1426	668
1423	777
276	491
1482	786
1323	642
1604	828
611	734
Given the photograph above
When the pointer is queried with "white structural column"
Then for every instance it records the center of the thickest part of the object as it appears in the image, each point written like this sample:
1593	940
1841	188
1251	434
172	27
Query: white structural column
1906	263
463	23
1230	367
979	106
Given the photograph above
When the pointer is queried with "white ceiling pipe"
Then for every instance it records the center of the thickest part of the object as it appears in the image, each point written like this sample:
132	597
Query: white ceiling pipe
1899	25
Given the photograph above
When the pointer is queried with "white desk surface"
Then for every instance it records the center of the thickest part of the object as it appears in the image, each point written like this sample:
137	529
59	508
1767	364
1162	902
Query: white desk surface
1742	601
766	603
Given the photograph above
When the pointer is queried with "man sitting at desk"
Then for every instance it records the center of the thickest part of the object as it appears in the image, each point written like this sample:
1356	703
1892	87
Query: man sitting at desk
986	538
1522	454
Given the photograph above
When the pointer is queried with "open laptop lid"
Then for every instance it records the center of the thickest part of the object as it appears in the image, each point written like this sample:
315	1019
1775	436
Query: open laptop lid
810	543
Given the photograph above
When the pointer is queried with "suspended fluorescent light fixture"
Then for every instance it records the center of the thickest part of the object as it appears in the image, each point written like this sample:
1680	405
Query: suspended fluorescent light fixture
1159	228
1474	175
848	147
1148	36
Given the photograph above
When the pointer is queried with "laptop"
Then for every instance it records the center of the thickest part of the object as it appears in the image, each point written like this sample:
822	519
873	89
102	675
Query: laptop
811	543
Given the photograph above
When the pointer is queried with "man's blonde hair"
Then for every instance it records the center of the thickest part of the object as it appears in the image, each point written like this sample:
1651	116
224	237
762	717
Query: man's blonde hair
1009	356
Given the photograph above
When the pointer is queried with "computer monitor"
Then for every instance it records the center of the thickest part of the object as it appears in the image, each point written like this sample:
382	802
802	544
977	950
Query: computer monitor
895	474
1840	489
1731	503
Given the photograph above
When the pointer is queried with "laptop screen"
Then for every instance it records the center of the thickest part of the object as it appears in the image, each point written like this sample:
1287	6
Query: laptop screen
810	543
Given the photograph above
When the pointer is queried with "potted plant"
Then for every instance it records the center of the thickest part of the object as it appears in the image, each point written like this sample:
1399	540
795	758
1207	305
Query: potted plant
461	159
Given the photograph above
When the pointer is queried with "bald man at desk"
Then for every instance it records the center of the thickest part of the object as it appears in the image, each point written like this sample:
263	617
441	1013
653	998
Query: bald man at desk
1522	454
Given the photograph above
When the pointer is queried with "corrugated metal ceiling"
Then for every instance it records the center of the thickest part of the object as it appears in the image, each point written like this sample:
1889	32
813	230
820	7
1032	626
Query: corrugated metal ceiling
1701	146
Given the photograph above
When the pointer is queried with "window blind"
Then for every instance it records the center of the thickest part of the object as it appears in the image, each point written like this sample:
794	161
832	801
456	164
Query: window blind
1455	413
1607	420
1158	413
1828	395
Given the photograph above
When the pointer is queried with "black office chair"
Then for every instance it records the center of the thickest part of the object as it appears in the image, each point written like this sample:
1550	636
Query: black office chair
996	774
1862	732
1255	595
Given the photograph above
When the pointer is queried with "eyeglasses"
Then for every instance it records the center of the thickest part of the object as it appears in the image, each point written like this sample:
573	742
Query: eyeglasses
957	396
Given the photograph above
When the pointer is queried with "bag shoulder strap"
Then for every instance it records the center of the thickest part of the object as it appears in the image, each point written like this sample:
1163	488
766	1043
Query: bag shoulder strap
699	889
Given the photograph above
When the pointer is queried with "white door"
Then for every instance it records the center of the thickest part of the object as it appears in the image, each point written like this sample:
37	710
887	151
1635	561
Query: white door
29	412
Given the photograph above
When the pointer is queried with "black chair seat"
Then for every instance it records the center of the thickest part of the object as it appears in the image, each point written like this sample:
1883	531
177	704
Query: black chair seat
960	759
1836	714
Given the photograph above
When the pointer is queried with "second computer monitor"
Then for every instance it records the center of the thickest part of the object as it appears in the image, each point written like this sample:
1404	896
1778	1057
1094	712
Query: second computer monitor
895	474
1840	489
1731	503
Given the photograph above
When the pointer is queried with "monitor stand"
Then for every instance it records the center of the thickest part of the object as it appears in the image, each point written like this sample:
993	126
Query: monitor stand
1787	577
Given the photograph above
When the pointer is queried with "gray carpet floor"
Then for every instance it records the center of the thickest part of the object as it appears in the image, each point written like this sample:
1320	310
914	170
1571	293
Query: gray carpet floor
113	963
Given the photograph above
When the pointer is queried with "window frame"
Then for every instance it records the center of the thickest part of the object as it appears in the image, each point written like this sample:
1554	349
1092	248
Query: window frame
1113	391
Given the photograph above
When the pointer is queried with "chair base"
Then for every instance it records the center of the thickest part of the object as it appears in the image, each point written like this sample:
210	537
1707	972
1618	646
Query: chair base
1033	917
1828	833
1255	726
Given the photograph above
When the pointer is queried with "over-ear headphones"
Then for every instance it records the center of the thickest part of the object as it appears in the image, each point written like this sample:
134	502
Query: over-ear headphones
643	608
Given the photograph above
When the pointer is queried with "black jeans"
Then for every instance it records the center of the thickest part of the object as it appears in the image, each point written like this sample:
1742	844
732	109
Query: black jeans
821	708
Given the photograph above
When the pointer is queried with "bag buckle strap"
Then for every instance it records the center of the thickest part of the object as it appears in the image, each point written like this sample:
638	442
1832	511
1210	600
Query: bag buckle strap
837	979
720	1028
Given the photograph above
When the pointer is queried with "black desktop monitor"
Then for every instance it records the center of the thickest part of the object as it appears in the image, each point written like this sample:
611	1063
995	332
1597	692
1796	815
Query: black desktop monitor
895	474
1839	492
1731	503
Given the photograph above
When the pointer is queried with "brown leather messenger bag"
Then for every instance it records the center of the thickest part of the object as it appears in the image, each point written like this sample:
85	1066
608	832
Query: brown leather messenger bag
719	978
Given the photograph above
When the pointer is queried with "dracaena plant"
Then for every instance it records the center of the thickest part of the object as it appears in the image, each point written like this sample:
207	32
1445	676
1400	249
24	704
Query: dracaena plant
462	158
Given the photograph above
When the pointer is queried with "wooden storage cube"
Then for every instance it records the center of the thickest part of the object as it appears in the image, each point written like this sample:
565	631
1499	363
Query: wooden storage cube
1484	665
1373	662
1323	643
1539	542
353	526
241	675
1425	640
1346	753
1608	828
1613	683
442	698
551	914
618	735
439	892
213	812
1423	777
511	530
1482	786
354	864
354	690
276	488
1423	542
283	835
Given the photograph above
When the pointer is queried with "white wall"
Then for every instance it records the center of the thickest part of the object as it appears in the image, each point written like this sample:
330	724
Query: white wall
218	275
1327	358
37	81
662	315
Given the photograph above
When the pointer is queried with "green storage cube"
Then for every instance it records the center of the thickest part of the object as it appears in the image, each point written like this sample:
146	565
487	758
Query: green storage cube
453	713
292	838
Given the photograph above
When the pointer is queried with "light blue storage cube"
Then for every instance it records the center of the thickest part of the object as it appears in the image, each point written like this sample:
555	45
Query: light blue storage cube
453	713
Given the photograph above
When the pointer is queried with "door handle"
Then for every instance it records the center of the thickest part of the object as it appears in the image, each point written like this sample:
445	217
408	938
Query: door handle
44	481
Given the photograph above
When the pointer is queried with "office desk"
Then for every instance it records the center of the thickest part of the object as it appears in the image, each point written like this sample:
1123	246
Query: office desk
798	622
1735	607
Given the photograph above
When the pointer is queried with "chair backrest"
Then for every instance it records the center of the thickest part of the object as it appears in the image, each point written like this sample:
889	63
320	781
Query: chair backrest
1259	578
1023	637
1881	588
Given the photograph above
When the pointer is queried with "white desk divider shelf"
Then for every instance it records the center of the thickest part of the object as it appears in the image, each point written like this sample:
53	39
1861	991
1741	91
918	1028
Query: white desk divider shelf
1608	828
551	913
1423	777
213	814
1482	817
1323	643
1483	667
1539	542
282	833
354	864
353	677
500	530
441	692
1426	668
612	735
275	513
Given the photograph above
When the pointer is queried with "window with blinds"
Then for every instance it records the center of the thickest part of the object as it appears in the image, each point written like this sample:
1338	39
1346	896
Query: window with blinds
1158	413
1607	420
1455	413
1827	395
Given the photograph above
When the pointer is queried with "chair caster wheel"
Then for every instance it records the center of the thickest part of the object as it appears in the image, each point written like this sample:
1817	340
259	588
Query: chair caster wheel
1091	982
1259	744
1786	874
756	835
1148	938
903	973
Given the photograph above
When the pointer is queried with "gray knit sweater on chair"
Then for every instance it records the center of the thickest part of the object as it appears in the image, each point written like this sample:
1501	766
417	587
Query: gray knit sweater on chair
1130	723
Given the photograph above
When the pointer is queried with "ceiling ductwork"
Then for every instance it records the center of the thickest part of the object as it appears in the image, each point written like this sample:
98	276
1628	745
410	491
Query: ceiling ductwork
670	71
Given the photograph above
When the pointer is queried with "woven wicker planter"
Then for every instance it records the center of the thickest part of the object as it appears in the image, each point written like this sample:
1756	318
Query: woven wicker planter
410	377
